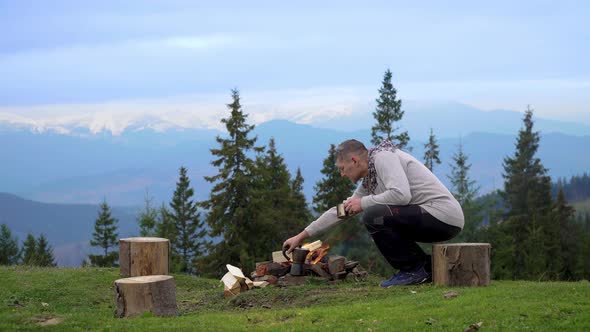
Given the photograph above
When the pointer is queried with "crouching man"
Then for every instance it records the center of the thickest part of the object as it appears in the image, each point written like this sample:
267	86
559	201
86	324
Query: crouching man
402	203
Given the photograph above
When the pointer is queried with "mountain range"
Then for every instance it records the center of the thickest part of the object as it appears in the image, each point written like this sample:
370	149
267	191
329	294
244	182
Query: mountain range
73	169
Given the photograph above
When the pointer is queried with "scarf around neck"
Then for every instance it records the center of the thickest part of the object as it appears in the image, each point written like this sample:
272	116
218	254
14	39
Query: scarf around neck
370	181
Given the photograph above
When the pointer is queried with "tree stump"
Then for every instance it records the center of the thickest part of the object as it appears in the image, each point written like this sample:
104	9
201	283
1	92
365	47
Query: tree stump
461	264
135	295
144	256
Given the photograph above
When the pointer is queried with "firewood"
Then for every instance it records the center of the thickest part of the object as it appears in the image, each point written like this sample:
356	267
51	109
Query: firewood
277	269
136	295
336	264
260	284
268	278
249	283
461	264
278	257
261	268
231	284
235	271
317	269
142	256
312	246
349	265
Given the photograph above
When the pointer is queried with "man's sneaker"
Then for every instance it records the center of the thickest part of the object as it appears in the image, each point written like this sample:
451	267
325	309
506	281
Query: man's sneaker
404	278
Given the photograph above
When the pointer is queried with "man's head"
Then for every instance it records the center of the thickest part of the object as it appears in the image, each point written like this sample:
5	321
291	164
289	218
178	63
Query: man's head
352	159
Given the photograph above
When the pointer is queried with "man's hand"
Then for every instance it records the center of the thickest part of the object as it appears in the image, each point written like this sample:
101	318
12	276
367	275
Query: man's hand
294	241
353	205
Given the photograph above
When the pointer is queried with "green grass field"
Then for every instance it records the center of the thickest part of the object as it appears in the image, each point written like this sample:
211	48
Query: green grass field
83	299
582	207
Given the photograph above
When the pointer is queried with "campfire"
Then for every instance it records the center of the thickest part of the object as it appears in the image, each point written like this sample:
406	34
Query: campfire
318	263
283	271
316	255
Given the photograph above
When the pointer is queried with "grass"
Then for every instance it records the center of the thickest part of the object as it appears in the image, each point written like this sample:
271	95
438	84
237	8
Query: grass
83	299
582	207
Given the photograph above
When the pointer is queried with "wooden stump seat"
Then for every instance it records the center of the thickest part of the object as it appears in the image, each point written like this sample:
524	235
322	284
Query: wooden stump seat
136	295
144	256
461	264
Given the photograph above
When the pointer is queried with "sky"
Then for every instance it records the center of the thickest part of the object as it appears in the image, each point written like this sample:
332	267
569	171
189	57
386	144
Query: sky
65	62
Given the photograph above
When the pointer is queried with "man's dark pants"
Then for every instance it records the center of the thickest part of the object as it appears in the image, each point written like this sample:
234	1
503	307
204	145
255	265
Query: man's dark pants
396	229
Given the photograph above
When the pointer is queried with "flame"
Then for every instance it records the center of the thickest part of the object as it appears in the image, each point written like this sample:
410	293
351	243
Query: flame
316	255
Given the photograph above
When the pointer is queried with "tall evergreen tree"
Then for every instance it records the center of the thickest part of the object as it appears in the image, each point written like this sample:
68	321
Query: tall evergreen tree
30	250
105	237
300	207
165	227
431	152
465	190
147	217
189	242
526	184
275	197
44	252
9	253
232	214
571	238
527	193
388	113
332	189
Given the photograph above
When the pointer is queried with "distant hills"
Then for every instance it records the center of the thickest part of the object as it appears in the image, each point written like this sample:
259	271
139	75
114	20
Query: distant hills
68	227
58	168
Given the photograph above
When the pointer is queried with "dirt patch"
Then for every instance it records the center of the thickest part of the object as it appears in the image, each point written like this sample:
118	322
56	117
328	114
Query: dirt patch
44	320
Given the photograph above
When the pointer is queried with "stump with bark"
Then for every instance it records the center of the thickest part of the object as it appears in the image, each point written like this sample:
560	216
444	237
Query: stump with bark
144	256
136	295
461	264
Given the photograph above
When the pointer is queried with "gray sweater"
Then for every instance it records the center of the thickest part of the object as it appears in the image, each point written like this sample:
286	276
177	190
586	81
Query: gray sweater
401	180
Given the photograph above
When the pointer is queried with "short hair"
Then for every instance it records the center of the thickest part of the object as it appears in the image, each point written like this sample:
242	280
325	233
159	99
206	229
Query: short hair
347	147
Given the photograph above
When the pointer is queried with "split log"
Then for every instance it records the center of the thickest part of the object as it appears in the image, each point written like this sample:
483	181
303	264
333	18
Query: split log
231	285
144	256
277	269
461	264
135	295
312	246
278	257
349	265
261	268
318	269
336	264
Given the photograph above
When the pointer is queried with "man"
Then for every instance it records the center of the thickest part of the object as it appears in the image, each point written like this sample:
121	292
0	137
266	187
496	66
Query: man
402	203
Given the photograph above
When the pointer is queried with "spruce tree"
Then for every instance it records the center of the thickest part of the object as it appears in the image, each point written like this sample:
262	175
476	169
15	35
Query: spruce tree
431	152
165	227
387	114
527	194
465	190
232	215
9	253
44	252
105	237
571	238
147	217
300	207
332	189
189	242
274	196
30	250
526	184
